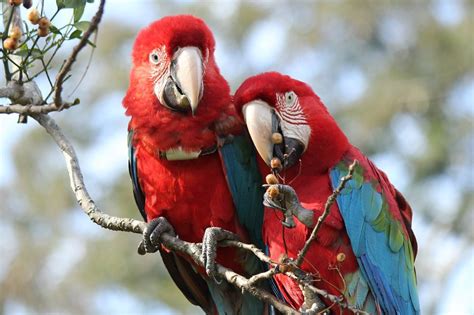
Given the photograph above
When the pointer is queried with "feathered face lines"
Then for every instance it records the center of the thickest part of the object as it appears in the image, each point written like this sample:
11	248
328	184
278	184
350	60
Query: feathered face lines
178	81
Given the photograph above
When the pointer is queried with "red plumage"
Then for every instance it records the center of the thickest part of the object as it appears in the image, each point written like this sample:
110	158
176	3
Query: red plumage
310	179
192	195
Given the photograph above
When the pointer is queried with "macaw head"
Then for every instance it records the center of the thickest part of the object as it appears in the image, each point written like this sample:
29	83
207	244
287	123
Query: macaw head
175	84
272	103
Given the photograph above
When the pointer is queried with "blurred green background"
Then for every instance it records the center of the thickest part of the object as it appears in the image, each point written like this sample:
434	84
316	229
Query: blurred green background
397	75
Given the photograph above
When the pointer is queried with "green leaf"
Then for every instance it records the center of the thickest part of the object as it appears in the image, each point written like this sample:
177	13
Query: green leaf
24	51
82	25
71	4
60	4
75	34
54	30
91	43
78	11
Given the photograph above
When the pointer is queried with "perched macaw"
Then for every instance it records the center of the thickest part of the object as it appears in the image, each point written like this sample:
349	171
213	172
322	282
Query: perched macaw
181	160
366	248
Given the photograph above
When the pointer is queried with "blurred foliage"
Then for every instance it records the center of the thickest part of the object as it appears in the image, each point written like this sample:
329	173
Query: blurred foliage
396	74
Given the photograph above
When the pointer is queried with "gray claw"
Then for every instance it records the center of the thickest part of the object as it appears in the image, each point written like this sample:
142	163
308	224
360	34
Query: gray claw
212	236
312	303
151	236
290	205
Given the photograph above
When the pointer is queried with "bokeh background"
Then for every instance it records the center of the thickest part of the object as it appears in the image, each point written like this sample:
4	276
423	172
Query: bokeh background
397	75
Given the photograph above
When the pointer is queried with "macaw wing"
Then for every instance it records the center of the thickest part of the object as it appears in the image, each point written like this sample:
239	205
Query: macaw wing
378	238
132	169
239	159
191	283
245	183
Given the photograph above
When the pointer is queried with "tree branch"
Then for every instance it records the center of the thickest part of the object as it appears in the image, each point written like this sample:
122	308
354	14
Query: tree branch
327	209
130	225
35	109
58	86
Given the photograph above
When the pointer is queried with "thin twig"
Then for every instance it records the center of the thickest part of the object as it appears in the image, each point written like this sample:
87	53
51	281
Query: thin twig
34	109
327	209
72	58
249	247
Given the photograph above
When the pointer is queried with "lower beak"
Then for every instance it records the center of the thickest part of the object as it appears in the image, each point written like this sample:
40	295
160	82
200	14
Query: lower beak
183	89
294	148
262	122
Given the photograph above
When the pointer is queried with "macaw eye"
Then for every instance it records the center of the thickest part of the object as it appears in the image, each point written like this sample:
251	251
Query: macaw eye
154	57
290	97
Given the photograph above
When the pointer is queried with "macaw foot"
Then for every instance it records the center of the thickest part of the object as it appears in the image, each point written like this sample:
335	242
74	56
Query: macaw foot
287	201
151	236
312	303
212	236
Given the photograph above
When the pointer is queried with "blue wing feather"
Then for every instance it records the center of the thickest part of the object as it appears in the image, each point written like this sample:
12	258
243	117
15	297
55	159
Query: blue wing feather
245	183
132	169
383	253
239	160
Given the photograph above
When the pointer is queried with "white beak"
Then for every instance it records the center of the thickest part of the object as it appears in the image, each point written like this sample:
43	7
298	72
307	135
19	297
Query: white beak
258	117
189	74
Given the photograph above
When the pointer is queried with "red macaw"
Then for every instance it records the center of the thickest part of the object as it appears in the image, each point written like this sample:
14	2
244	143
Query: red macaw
365	249
179	104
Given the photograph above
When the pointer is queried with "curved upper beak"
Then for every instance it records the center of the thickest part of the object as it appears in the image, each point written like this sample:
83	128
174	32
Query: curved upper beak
183	88
189	74
262	121
258	117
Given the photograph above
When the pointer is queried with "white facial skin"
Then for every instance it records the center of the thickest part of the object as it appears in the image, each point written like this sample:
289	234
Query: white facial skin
258	117
188	72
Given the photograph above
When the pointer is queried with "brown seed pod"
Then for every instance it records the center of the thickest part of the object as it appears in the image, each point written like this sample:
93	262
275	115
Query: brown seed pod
43	32
27	4
271	179
10	44
277	138
33	16
15	2
284	268
15	33
273	191
275	163
44	23
341	257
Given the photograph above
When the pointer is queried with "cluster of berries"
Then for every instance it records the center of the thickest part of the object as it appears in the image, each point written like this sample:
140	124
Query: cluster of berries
33	15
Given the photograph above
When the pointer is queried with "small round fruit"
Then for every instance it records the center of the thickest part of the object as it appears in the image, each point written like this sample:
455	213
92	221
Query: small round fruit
10	44
15	33
341	257
43	32
275	163
283	268
277	138
271	179
44	23
33	16
15	2
273	191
